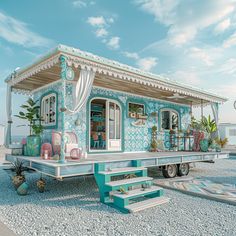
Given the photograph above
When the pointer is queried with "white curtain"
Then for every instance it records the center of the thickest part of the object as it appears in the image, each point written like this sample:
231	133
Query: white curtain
82	89
9	118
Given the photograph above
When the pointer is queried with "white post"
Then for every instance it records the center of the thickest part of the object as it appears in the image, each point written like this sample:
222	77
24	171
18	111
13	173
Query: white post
9	113
63	108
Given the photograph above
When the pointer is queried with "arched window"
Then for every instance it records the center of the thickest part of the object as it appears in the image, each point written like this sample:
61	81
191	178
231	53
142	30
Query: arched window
169	119
48	110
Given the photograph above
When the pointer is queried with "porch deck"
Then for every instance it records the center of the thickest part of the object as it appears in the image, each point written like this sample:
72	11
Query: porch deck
113	160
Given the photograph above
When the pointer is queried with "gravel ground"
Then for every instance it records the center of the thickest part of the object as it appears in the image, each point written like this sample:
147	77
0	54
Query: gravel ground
72	208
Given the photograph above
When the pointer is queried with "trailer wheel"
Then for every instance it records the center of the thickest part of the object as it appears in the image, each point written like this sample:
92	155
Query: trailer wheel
170	171
183	169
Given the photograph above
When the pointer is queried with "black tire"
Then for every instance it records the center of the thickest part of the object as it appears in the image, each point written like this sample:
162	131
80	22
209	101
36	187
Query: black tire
183	169
170	171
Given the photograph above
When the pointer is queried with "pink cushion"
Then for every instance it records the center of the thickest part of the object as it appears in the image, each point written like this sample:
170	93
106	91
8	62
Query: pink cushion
70	146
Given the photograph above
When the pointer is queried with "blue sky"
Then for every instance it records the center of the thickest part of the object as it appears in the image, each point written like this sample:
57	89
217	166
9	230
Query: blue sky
193	41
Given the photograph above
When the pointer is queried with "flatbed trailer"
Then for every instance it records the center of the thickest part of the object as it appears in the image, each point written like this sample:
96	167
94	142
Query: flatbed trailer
113	161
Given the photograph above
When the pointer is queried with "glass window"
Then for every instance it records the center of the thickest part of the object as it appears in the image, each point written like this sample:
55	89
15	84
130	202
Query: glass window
112	121
117	122
169	120
48	109
135	109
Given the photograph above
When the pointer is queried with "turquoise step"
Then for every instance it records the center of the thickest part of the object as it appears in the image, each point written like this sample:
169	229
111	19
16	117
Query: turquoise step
125	183
121	200
152	202
140	192
124	171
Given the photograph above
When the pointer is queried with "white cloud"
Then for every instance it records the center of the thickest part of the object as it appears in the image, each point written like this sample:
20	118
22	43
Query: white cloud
231	41
98	21
132	55
144	63
101	25
101	32
79	4
147	63
185	19
114	43
15	31
201	54
222	26
82	3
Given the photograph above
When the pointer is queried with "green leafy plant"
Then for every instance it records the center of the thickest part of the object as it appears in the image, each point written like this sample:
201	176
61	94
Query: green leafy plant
209	125
196	125
31	114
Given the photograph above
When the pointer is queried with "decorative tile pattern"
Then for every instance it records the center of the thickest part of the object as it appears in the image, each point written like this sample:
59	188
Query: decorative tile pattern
135	138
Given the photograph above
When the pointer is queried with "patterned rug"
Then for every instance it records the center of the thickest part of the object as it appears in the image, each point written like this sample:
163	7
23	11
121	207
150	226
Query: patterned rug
202	188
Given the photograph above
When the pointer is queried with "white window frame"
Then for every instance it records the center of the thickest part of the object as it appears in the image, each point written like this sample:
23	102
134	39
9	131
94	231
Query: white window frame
44	110
171	111
107	100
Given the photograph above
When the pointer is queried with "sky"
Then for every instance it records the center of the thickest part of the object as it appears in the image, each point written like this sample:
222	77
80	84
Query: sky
192	41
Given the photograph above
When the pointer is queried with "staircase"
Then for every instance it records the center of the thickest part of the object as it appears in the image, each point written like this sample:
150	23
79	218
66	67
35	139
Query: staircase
131	194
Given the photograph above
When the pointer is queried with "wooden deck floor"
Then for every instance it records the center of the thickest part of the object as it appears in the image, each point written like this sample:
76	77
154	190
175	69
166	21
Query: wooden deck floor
113	160
113	157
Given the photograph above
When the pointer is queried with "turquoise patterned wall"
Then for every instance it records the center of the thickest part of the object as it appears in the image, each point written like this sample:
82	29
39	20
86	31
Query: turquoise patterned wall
135	138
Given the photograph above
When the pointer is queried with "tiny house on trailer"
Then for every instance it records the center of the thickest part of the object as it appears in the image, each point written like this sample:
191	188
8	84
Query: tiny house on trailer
111	109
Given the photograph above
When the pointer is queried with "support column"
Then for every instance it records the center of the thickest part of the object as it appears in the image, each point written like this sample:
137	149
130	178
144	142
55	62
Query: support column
9	114
63	107
201	108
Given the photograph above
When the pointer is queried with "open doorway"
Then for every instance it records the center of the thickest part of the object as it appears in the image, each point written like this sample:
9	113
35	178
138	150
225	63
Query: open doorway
105	125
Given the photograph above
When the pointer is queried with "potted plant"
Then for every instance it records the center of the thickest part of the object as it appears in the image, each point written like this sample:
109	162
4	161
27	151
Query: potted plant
31	114
133	111
19	177
23	189
221	142
41	185
154	139
209	126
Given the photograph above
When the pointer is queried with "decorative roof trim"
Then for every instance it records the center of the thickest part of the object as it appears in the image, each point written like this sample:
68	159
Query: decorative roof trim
101	65
22	92
137	72
125	75
43	65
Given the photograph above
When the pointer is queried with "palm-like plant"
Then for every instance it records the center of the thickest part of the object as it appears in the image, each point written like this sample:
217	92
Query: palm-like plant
209	125
19	168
